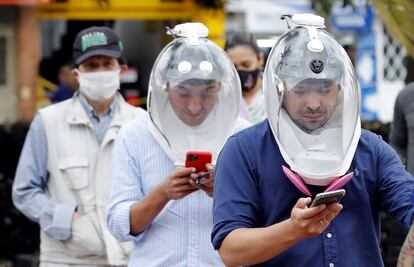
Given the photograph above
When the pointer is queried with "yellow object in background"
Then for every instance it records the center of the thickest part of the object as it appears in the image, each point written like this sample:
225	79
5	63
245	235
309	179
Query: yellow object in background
398	17
44	90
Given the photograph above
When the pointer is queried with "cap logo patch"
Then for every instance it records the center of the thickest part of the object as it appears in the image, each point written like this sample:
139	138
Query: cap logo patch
316	66
93	39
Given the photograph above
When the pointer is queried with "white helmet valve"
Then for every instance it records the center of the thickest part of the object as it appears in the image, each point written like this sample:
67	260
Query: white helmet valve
314	45
309	20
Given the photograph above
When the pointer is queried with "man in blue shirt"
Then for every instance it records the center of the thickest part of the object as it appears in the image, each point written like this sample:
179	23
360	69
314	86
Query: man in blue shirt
312	142
67	84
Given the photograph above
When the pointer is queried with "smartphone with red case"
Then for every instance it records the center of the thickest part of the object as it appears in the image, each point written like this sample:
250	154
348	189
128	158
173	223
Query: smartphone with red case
198	160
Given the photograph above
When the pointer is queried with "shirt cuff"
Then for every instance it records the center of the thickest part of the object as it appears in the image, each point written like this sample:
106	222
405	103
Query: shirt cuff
121	224
62	221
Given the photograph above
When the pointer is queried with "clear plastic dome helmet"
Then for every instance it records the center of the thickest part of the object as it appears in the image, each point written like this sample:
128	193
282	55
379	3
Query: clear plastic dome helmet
313	102
194	94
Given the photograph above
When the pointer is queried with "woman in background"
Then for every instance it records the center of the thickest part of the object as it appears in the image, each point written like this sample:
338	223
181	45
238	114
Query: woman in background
249	62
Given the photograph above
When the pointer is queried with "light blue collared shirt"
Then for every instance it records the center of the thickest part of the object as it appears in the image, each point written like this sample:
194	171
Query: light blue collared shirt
29	186
100	124
180	234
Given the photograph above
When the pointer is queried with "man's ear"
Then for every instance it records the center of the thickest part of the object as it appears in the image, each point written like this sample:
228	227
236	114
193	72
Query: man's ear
167	87
123	69
75	74
282	99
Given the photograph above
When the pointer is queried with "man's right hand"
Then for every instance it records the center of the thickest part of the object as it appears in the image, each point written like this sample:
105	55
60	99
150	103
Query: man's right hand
177	185
249	246
309	222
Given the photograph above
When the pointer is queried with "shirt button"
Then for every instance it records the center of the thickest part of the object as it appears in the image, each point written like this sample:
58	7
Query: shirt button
331	264
329	235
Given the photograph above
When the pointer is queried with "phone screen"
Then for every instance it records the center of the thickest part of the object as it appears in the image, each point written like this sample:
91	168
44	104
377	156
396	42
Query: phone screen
328	197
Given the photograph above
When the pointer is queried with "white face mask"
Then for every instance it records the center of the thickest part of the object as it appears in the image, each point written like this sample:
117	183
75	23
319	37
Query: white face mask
99	86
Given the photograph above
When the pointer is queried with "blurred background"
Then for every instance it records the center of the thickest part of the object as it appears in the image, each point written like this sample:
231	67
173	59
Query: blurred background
36	39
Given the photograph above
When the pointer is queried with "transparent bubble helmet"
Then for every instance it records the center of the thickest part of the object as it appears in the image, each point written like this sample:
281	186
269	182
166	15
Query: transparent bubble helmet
194	95
313	103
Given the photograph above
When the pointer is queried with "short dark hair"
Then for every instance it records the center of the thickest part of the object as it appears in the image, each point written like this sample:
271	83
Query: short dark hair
242	38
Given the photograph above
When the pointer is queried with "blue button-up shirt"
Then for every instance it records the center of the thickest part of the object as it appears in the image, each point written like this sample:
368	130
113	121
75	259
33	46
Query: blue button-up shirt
100	124
29	185
252	191
180	234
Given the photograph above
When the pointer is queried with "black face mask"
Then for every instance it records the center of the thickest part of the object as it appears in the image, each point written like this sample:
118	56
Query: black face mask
248	79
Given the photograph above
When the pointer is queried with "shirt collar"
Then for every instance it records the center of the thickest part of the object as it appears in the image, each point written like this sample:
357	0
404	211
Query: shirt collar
89	109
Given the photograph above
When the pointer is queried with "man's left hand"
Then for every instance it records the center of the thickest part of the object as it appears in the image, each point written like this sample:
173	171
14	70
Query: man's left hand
207	184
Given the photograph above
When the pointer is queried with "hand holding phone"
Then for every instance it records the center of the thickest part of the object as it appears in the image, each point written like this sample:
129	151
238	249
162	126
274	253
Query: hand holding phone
198	160
203	178
328	197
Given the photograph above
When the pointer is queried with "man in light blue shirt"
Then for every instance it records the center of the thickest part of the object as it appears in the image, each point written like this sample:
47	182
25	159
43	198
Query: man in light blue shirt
62	178
194	95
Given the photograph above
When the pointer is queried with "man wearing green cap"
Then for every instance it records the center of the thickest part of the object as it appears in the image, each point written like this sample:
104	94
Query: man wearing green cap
62	178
